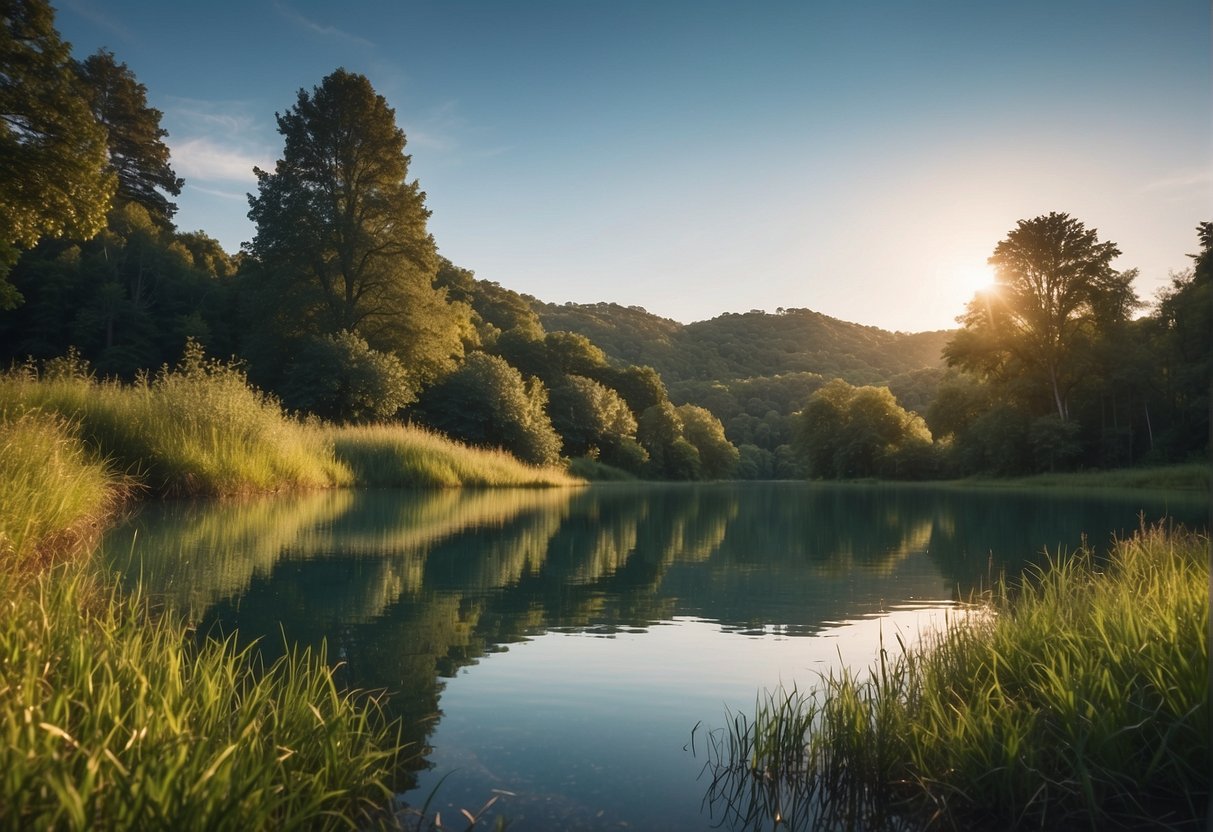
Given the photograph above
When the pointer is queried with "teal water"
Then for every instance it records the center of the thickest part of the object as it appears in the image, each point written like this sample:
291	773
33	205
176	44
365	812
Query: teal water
554	649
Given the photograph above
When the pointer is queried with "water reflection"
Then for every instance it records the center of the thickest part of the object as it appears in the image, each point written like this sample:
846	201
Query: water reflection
408	588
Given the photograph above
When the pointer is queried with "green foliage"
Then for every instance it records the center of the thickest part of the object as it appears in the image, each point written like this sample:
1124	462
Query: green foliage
589	416
127	300
847	432
339	377
486	403
718	457
341	241
1055	289
138	156
114	719
1079	701
53	176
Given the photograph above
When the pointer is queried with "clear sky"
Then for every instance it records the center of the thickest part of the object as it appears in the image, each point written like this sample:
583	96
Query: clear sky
858	158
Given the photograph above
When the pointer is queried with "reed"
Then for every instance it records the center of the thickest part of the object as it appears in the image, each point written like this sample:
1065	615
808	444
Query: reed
404	455
114	719
1078	700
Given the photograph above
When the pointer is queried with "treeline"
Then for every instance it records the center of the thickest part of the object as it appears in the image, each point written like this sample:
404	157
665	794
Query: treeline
341	305
1050	371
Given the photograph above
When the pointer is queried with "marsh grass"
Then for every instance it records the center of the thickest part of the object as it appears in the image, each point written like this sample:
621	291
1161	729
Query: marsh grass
404	455
53	496
114	718
197	429
1081	702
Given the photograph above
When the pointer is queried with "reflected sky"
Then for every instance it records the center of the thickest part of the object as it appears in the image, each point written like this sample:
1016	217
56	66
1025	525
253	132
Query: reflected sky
560	645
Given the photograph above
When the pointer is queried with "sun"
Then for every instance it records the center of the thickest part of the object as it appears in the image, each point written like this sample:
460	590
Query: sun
972	278
981	279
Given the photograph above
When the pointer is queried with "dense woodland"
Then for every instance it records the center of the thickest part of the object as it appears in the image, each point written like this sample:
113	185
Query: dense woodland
342	306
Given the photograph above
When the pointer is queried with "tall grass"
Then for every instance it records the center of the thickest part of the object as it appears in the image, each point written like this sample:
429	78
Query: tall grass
201	429
1081	702
195	429
112	719
403	455
53	496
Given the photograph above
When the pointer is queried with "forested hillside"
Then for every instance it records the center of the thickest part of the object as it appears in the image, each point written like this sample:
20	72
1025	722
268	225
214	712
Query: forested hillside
749	345
754	370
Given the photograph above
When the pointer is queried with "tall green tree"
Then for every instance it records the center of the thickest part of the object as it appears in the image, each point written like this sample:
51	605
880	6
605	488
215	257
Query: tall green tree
54	180
138	155
342	243
1055	286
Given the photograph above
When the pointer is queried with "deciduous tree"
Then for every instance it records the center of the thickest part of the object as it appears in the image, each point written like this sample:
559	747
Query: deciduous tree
1055	286
53	176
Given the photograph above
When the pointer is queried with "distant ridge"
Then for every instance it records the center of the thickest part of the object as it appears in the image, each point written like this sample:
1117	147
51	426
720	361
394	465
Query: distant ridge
736	346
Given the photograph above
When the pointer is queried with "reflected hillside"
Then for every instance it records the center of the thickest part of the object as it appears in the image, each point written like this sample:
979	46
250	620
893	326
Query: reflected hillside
407	588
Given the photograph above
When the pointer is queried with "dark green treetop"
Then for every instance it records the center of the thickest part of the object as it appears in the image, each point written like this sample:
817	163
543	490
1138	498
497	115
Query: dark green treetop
138	155
342	243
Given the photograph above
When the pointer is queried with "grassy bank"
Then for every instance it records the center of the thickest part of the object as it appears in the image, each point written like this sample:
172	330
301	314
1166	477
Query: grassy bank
201	429
112	716
114	719
1191	476
403	455
1080	702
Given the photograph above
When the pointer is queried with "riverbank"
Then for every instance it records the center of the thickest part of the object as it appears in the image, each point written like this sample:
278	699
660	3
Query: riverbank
114	715
1189	476
1078	698
200	429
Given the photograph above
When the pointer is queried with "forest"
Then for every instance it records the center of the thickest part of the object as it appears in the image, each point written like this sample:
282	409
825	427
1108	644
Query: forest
343	308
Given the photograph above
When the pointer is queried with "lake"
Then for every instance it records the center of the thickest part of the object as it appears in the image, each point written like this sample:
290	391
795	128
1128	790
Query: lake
554	649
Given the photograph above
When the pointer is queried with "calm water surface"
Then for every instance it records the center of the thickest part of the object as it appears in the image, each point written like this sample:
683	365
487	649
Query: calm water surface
557	647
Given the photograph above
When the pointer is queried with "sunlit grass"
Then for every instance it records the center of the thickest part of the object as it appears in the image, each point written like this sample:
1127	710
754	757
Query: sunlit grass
115	719
1082	701
197	429
53	495
404	455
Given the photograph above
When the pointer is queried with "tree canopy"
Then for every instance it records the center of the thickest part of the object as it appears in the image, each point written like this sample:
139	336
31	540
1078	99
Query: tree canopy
138	156
54	180
1055	286
342	243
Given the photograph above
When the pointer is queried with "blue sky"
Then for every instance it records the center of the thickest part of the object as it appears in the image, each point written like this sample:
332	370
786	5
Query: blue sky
693	158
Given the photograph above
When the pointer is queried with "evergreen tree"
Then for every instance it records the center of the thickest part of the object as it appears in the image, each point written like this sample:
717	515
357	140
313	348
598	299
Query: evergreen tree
342	244
138	155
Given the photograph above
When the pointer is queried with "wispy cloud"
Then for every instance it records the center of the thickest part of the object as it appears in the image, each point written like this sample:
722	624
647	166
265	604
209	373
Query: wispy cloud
209	160
92	14
321	29
233	117
235	196
1182	181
